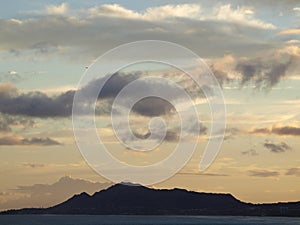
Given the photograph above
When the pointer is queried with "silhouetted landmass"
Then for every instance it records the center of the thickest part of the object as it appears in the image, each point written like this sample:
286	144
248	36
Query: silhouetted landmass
139	200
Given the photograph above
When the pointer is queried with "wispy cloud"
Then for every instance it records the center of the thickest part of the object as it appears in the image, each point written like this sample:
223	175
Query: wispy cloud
204	174
289	32
293	172
17	140
251	152
33	165
8	123
263	173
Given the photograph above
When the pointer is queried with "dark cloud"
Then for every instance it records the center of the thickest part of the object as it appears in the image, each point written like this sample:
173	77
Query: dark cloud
263	173
111	84
33	165
36	104
14	140
114	84
265	72
40	141
284	131
141	136
153	106
251	152
287	130
149	106
293	172
277	148
170	135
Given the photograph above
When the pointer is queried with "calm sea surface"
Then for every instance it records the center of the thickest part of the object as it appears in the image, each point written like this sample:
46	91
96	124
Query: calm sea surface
140	220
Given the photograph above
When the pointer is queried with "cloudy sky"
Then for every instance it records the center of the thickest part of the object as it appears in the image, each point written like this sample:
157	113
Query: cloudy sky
253	48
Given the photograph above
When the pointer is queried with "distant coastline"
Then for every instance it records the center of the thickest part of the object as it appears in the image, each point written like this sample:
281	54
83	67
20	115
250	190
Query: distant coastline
122	199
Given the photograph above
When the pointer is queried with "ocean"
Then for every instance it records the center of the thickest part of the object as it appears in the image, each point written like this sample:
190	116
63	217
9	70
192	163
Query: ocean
142	220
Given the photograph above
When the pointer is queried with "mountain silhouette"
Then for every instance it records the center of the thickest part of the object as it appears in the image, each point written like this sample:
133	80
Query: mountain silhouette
139	200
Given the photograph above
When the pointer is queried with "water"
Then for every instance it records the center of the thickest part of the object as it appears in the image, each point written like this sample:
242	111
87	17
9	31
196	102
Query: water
142	220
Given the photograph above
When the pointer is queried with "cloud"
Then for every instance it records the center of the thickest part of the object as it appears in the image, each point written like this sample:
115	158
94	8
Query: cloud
287	130
112	10
33	165
293	42
231	132
16	140
297	10
263	173
289	32
267	71
277	148
39	141
45	195
38	104
170	135
153	106
8	123
251	152
240	15
149	106
7	89
112	25
61	9
263	130
282	131
204	174
293	172
112	86
34	104
262	71
173	11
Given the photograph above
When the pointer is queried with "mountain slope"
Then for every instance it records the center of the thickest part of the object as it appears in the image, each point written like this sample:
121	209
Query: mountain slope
123	199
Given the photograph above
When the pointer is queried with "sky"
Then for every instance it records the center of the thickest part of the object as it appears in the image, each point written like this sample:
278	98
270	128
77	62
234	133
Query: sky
252	47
